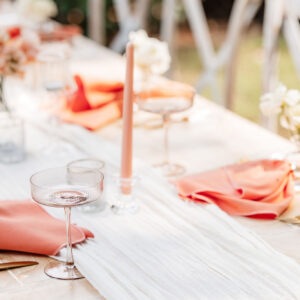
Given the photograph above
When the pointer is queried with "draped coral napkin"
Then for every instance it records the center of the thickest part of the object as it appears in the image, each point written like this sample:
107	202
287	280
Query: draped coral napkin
93	104
261	189
27	227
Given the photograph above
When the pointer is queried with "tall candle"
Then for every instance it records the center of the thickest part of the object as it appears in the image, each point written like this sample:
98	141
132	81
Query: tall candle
126	160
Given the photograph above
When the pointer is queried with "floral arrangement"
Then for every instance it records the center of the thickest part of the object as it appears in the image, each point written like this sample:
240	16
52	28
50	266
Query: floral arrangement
150	54
37	10
17	48
286	104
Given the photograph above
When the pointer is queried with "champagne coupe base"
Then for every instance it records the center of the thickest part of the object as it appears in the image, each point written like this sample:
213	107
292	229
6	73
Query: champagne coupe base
170	170
61	270
125	202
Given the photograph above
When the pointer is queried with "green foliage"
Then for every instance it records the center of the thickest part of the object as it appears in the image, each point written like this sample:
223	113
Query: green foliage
72	10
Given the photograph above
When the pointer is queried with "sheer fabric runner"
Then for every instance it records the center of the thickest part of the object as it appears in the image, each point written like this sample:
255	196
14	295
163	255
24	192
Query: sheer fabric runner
169	250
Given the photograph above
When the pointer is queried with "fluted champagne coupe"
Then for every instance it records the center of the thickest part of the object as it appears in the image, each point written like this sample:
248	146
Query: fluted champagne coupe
165	97
58	187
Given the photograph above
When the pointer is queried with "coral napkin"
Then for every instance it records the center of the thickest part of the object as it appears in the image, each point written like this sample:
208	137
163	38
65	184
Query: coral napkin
93	104
260	189
27	227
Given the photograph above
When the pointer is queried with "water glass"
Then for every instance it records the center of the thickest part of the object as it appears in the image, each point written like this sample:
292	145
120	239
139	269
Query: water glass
81	165
12	149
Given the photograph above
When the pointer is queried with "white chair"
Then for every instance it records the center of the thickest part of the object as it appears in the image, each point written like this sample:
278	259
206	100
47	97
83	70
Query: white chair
279	14
129	21
96	21
241	16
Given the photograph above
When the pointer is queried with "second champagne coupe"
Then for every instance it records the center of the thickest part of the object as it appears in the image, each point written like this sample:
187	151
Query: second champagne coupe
59	187
165	98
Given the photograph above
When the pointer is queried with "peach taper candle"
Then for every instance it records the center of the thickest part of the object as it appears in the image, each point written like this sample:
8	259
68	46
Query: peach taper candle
126	160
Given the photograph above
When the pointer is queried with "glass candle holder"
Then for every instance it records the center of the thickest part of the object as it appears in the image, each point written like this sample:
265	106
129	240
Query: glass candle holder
12	148
81	165
124	199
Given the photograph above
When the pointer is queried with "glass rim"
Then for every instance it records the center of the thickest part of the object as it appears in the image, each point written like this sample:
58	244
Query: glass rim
31	179
101	162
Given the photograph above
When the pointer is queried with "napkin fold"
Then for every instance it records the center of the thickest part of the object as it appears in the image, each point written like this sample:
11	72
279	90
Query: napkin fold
27	227
93	104
258	189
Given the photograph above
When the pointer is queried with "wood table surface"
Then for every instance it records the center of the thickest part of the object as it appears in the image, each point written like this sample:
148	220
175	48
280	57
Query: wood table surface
210	138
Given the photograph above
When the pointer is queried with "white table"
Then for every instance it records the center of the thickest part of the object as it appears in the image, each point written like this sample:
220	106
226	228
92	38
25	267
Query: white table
213	137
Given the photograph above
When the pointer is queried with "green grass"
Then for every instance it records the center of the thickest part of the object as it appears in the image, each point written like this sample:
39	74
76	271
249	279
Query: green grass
187	67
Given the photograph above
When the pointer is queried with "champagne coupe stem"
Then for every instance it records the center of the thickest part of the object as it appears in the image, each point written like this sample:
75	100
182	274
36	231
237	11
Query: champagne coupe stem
69	258
166	139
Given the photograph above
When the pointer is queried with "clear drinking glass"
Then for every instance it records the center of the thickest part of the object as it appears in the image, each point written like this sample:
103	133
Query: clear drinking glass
53	76
81	165
165	98
53	82
58	187
12	149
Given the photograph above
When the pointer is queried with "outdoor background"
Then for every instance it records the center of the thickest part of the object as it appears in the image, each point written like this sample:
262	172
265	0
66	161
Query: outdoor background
187	65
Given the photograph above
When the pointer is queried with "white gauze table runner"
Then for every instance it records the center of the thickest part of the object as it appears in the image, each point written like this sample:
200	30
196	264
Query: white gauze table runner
170	249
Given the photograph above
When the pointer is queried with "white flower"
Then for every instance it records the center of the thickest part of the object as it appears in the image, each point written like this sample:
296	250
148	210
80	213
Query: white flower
38	10
269	108
296	121
150	53
292	97
138	37
293	113
271	103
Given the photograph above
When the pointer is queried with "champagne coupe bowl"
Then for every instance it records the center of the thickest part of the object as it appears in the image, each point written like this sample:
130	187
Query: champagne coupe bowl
58	187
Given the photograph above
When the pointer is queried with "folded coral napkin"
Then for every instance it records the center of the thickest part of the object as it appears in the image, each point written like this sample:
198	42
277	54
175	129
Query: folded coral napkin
93	104
261	189
27	227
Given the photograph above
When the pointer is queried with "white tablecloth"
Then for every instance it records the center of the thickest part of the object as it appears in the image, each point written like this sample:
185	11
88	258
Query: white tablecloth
170	249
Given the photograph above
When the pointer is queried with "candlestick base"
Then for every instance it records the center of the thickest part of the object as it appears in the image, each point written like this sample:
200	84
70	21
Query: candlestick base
125	201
